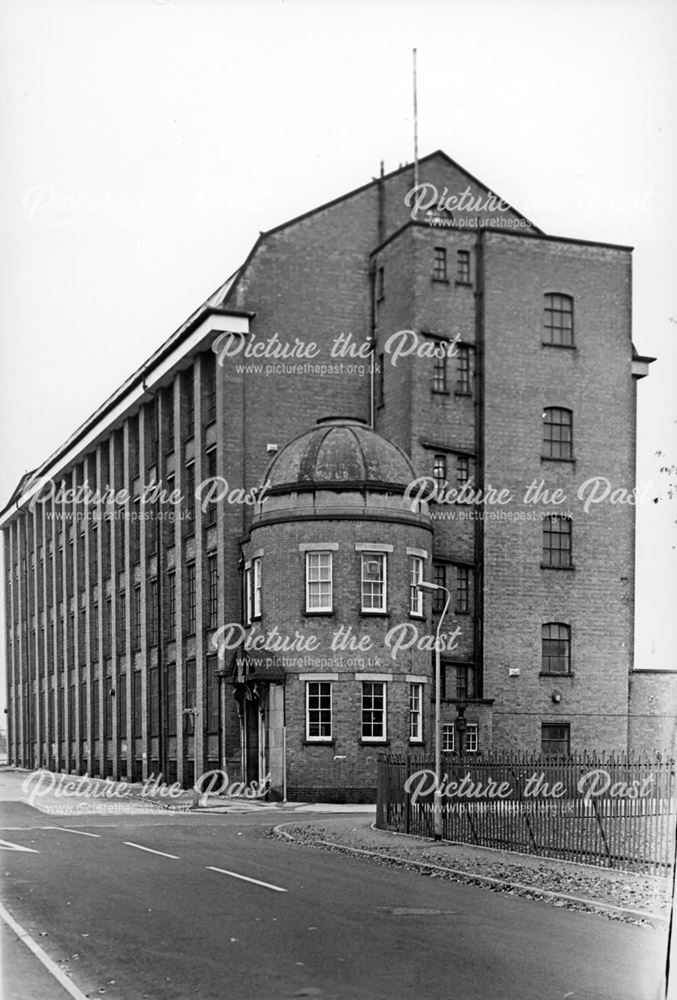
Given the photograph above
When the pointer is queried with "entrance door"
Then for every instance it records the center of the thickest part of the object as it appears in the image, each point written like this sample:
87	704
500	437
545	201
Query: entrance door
251	739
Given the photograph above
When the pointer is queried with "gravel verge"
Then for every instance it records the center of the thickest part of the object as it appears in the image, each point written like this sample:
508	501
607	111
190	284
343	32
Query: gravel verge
625	896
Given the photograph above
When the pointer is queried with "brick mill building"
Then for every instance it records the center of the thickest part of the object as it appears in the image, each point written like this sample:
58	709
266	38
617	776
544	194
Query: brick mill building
219	567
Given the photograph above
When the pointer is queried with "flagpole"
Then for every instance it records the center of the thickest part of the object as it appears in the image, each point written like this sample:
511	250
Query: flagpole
415	127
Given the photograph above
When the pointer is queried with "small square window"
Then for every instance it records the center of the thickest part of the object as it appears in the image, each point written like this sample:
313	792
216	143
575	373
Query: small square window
555	738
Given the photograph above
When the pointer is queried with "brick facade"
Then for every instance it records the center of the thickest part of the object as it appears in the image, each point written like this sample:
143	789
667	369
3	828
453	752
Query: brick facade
110	625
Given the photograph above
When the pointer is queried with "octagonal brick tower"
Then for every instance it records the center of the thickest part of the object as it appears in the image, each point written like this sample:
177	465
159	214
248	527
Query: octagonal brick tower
329	566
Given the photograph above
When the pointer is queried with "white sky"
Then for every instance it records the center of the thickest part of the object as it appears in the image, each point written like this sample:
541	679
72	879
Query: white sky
147	142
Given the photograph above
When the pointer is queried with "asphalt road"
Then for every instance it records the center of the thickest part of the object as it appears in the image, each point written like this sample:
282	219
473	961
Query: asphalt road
173	907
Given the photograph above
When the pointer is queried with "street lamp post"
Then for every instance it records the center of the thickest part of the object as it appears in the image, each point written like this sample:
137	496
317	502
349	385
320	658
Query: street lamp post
437	795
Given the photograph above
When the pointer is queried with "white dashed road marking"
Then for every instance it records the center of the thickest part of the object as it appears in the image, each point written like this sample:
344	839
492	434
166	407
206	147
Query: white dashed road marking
245	878
150	850
65	829
6	846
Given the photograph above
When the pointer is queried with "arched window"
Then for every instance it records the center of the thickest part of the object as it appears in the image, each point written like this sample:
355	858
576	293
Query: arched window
555	648
559	320
557	432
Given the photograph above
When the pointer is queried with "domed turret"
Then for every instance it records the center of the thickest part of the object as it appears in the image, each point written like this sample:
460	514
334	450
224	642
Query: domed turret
339	451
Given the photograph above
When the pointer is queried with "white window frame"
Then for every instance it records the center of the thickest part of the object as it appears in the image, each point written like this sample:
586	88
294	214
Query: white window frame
310	556
471	737
366	558
247	587
416	712
384	720
415	594
323	738
256	587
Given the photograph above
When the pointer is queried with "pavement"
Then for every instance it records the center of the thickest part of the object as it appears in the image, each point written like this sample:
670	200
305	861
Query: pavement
170	905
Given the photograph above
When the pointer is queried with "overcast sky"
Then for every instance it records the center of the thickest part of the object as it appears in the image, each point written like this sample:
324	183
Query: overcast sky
147	142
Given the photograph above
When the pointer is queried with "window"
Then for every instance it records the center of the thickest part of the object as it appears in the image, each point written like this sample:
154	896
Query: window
555	738
209	370
471	740
415	593
373	581
557	542
462	470
463	589
440	264
212	695
449	737
137	616
95	708
153	611
556	648
95	632
463	267
107	708
170	687
153	702
465	682
191	605
463	369
439	578
209	515
171	578
380	285
190	492
137	721
247	595
380	377
559	320
318	710
415	713
190	685
108	625
256	587
188	403
168	401
373	710
213	578
440	471
557	433
121	701
319	581
440	373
